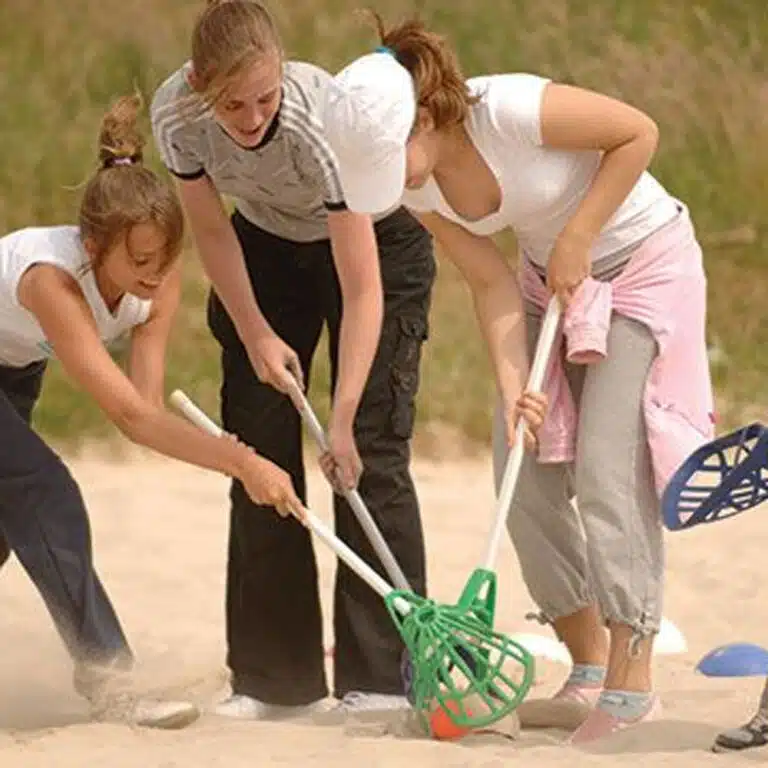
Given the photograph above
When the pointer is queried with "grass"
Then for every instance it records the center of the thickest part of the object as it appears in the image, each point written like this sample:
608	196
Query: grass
699	70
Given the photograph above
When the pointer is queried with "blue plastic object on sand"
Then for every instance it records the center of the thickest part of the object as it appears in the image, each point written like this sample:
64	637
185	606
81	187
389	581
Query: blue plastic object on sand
735	660
722	478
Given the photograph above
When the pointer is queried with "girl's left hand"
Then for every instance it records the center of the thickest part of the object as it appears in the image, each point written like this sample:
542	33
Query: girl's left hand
568	266
341	464
532	407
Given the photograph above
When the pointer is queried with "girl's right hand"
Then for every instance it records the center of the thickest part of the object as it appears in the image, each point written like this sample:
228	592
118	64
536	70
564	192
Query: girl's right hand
269	485
275	363
532	408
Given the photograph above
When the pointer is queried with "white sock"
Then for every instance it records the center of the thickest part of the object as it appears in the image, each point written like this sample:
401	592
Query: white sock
625	705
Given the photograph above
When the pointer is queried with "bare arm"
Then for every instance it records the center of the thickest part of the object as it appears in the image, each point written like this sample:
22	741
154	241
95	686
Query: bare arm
497	300
223	261
576	119
357	262
64	316
221	256
149	342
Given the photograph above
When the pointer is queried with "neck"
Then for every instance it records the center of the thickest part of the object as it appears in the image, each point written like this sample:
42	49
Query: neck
453	150
110	292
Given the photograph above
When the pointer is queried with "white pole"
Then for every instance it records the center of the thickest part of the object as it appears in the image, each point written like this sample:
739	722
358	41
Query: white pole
343	552
515	459
364	517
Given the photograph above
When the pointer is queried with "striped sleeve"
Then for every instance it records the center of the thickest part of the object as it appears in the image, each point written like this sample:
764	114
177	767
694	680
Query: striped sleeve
316	154
168	132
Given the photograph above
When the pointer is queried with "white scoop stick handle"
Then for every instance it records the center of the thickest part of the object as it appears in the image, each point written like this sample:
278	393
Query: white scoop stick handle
364	517
197	417
515	459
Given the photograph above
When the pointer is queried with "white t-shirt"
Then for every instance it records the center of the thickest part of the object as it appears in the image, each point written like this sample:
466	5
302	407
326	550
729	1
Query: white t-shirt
22	341
540	186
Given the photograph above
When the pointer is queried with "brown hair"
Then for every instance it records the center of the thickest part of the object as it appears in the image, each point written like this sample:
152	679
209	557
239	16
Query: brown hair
123	192
229	36
440	85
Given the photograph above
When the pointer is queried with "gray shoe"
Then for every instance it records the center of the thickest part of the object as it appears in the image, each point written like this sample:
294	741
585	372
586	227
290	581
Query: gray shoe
753	734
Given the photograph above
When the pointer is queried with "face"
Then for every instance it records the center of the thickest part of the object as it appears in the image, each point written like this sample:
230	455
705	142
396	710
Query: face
249	104
421	151
137	263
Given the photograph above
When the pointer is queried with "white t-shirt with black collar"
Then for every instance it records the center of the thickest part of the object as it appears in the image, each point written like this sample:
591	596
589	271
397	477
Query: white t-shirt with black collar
22	340
541	187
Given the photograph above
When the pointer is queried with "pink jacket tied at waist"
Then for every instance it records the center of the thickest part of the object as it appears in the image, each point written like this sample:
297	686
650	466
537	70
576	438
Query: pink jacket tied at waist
664	287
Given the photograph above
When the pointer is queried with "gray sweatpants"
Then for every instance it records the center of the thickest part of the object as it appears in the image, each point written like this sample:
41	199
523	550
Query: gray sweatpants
609	550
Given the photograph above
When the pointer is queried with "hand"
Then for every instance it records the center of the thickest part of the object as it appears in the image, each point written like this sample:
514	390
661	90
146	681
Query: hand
568	266
268	484
532	407
275	363
341	463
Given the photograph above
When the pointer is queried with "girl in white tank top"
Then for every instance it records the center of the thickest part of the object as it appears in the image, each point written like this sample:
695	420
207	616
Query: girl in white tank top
69	292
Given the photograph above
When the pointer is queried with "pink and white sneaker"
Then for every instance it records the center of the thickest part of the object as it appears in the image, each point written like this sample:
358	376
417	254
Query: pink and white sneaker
583	695
600	723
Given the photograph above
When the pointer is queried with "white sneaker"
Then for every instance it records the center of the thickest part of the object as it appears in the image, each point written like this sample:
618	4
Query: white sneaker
169	715
244	707
108	690
359	701
147	713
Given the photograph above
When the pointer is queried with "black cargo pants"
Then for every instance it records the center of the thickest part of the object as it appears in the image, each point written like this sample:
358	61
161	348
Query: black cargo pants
273	613
43	520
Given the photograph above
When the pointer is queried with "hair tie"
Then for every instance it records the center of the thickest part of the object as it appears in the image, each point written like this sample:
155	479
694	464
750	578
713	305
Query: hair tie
110	162
385	49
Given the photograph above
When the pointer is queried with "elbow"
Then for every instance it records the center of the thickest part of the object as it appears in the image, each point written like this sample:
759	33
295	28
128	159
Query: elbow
133	421
483	286
501	292
648	135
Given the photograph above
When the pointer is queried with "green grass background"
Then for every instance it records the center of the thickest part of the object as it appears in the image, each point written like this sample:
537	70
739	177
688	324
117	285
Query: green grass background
699	68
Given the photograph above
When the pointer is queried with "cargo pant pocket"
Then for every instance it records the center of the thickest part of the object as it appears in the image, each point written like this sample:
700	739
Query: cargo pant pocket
411	334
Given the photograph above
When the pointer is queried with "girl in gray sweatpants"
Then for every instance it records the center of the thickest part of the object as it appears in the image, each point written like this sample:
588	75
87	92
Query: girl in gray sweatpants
600	563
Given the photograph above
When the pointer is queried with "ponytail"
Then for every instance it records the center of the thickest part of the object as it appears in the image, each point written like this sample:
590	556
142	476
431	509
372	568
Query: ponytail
439	83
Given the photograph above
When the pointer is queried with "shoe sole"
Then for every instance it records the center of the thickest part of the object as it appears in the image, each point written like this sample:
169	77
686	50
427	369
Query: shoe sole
720	748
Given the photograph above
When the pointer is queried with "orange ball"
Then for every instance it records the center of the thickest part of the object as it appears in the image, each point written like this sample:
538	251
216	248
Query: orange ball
441	725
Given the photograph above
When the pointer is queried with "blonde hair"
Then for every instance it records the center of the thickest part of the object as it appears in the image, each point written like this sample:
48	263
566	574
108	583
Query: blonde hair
440	85
228	37
123	192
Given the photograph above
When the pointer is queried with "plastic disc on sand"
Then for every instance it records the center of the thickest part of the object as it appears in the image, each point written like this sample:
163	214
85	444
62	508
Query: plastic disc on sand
735	660
543	647
670	640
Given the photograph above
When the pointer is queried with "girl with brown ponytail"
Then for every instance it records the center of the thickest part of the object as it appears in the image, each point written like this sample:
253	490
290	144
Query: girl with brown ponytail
565	169
71	291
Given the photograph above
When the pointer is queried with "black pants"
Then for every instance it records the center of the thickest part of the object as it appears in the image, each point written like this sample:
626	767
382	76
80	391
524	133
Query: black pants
43	520
274	627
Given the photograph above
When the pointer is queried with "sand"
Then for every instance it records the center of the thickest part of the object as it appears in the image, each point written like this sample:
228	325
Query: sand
160	535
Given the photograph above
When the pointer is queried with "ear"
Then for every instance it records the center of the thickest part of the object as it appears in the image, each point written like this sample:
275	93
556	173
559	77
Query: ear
90	248
193	80
425	123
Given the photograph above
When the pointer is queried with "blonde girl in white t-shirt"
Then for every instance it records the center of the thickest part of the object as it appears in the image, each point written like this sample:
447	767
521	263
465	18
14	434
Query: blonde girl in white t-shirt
69	292
565	169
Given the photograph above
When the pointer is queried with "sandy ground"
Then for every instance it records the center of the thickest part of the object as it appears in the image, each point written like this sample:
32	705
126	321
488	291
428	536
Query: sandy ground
160	532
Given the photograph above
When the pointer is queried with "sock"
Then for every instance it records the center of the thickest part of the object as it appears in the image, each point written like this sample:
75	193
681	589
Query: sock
625	705
586	675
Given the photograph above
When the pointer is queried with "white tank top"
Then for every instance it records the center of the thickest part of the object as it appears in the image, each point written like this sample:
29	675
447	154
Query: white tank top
22	341
540	187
